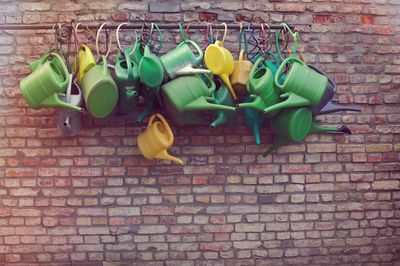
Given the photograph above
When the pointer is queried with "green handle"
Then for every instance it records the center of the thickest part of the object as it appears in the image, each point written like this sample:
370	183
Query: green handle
274	57
128	64
63	68
105	65
255	66
200	57
281	67
211	84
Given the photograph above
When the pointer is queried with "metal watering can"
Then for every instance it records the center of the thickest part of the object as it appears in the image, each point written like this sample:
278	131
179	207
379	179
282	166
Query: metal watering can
295	124
127	79
182	60
222	96
302	86
43	86
99	90
156	139
261	89
240	74
253	120
86	61
69	122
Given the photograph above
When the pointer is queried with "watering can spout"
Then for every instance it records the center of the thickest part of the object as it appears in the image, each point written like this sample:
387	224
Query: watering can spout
256	133
54	101
188	70
221	119
165	156
278	143
293	100
332	108
225	79
201	103
315	128
257	104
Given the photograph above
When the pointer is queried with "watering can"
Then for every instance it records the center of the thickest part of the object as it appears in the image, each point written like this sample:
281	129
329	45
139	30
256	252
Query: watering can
326	106
43	86
253	120
295	124
69	122
156	139
181	60
151	70
261	89
153	99
302	86
190	93
34	64
86	61
135	52
220	61
99	90
126	77
240	74
222	96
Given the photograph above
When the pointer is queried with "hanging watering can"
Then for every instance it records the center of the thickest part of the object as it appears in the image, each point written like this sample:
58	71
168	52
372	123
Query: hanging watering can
295	124
151	70
69	122
303	86
261	89
326	106
220	61
253	120
99	90
42	87
156	139
34	64
86	61
182	60
135	51
222	96
240	74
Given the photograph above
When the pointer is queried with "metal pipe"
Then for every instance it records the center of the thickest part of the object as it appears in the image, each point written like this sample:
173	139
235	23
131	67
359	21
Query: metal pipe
132	26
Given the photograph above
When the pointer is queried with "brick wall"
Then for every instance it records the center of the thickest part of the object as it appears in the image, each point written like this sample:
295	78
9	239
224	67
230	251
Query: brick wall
93	198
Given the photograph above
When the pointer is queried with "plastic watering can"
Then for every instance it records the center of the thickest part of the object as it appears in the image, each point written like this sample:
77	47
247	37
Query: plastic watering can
99	90
156	139
220	61
253	120
326	106
34	64
273	64
135	52
240	74
261	87
69	122
302	86
295	124
181	60
86	61
222	96
151	70
43	86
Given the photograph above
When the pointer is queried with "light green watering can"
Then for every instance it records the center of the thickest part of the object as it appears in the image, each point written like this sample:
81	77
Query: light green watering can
136	51
295	124
43	87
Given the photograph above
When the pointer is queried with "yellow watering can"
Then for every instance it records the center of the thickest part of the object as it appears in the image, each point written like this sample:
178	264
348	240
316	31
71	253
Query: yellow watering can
156	139
85	60
220	61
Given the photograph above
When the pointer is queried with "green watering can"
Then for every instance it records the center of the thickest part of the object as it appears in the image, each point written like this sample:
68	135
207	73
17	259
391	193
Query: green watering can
127	79
99	90
223	96
151	70
272	65
190	93
43	87
136	51
295	124
253	120
261	88
182	60
153	100
302	86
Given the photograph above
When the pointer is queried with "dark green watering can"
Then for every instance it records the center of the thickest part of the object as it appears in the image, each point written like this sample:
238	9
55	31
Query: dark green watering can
43	87
152	98
136	51
190	93
127	78
261	88
253	120
151	70
223	96
295	124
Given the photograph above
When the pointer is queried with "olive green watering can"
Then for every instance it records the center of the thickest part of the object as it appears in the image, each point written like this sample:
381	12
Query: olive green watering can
182	60
222	96
261	88
302	86
99	90
43	87
190	93
295	124
253	120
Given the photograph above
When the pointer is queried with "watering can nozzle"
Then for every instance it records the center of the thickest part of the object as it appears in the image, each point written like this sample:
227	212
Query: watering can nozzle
343	129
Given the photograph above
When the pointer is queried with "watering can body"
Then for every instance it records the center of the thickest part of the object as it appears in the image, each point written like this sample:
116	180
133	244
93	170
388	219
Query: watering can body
222	96
86	61
182	60
156	139
100	92
220	62
43	86
151	70
253	120
240	74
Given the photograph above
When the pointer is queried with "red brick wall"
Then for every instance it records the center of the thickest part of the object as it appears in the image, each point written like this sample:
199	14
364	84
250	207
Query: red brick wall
93	198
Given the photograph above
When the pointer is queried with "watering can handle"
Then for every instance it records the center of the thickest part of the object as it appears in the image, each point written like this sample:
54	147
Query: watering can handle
105	64
167	127
274	57
63	67
255	66
212	86
198	49
128	64
282	66
242	55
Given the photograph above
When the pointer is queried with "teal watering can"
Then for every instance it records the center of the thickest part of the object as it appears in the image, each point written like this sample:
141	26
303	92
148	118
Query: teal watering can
223	96
253	120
